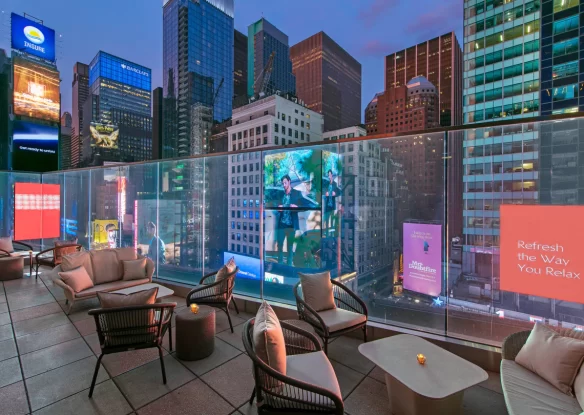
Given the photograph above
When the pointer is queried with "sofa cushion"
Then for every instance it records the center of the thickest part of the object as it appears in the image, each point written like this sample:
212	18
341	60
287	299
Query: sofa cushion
313	368
106	266
339	319
268	338
134	269
6	244
527	393
109	287
125	254
553	357
78	279
317	290
113	300
78	259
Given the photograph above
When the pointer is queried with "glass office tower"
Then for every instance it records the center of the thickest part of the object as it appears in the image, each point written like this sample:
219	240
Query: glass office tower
501	79
198	72
119	84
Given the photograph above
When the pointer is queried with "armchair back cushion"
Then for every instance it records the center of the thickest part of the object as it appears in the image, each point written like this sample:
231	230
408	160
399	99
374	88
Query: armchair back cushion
125	254
78	259
106	266
268	338
113	300
78	279
6	244
134	269
555	358
317	290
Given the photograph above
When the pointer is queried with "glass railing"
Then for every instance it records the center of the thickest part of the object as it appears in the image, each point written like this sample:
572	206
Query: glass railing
471	233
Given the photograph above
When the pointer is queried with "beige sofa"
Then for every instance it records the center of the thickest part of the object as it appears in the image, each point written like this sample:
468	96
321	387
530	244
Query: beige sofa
105	268
527	393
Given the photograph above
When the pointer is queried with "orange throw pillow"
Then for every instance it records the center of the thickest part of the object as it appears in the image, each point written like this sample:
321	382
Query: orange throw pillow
78	279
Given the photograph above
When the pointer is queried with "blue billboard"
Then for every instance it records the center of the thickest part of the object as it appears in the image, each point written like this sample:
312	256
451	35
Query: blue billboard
117	69
35	147
248	267
33	38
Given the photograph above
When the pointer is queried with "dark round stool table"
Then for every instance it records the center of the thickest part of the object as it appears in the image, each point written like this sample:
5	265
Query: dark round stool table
195	333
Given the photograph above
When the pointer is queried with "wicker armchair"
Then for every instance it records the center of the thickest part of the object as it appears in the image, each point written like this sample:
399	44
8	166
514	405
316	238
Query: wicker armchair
52	257
351	314
218	294
513	343
280	393
132	328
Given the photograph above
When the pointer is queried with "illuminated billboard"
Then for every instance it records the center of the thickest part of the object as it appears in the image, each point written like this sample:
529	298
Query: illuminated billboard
32	37
37	211
105	233
36	90
423	258
540	251
120	70
104	135
35	147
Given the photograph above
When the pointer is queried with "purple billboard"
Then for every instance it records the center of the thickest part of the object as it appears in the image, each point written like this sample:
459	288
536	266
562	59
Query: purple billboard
423	258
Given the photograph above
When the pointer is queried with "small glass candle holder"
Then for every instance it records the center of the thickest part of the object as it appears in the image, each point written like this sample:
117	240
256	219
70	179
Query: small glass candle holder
421	358
194	308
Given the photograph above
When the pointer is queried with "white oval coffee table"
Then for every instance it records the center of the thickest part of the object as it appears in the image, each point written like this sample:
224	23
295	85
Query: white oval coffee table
437	387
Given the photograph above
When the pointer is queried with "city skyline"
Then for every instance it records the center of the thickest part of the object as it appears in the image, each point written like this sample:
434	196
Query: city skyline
369	43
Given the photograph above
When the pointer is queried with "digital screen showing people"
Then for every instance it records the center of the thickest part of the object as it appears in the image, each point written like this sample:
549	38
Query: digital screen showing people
300	187
36	90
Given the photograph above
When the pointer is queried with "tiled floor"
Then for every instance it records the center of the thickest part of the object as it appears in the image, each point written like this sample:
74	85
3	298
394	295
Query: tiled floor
47	360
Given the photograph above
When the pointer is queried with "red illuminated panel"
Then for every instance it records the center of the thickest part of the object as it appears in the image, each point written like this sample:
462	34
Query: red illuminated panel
541	251
37	212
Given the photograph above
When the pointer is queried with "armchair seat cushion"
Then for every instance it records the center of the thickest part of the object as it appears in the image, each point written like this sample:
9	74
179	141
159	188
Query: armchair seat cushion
313	368
339	319
109	287
527	393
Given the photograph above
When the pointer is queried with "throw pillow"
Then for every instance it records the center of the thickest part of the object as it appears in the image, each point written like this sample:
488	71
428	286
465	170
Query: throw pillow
114	300
6	245
134	270
225	270
78	259
553	357
78	279
268	338
317	290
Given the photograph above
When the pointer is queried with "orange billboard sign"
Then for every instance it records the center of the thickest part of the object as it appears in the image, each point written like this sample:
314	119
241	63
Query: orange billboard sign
541	251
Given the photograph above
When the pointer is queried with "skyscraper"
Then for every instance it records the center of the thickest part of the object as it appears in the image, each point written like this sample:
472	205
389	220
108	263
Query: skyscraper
501	79
371	114
80	87
65	142
439	60
328	80
198	43
239	69
263	40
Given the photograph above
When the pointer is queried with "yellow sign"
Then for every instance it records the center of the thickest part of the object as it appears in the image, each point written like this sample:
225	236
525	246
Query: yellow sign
105	231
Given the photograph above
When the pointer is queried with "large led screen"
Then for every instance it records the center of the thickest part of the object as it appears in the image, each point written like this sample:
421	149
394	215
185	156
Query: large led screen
104	135
36	91
540	251
35	147
423	258
32	37
37	211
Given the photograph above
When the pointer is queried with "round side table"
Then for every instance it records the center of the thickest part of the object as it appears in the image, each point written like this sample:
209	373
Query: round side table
195	333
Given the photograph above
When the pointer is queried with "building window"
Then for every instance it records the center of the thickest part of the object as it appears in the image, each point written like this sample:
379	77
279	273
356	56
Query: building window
276	140
265	128
276	128
566	25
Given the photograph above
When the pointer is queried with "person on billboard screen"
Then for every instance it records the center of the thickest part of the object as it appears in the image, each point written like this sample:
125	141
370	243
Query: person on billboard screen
156	248
287	220
330	201
112	235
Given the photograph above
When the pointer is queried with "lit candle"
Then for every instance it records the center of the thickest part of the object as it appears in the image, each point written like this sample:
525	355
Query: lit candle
194	308
421	358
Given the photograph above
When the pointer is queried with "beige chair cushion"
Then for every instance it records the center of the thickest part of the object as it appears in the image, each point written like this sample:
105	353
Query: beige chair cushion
339	319
317	290
106	266
225	270
527	393
579	387
78	259
6	244
268	338
113	300
109	287
555	358
134	269
125	254
313	368
78	279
